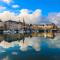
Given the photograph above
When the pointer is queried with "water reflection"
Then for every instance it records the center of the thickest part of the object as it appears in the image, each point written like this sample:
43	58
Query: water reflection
24	41
18	37
33	45
54	43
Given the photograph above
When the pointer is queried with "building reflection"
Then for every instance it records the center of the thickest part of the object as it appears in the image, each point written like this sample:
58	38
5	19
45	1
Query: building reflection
26	41
15	37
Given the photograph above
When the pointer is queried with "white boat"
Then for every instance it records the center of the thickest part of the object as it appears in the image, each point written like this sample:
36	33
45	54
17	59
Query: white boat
20	31
6	32
9	32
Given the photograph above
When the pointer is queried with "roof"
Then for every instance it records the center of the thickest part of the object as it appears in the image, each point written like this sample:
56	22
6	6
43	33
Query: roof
11	21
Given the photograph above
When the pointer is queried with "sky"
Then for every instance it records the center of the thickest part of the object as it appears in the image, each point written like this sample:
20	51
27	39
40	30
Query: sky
45	5
32	8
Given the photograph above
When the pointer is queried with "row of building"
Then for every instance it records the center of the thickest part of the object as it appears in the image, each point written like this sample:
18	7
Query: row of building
44	26
14	25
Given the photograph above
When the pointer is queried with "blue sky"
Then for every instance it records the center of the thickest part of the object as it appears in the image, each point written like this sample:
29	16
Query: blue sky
45	5
33	11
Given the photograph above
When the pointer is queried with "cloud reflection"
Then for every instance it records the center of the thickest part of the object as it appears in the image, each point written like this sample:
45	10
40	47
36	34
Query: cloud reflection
6	58
54	43
34	42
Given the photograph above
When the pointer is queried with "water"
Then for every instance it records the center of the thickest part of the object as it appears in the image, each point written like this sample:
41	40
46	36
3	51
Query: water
35	46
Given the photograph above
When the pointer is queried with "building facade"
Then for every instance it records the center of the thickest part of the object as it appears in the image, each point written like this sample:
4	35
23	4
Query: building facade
1	25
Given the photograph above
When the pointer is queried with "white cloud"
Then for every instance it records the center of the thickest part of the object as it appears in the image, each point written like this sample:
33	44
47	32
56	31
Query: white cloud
7	1
37	13
6	15
54	18
2	8
28	15
25	11
15	6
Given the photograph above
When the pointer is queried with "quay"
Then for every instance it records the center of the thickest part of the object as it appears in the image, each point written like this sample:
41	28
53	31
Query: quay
25	31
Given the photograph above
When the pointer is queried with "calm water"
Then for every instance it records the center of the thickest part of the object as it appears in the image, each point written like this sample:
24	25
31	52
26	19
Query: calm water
35	46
